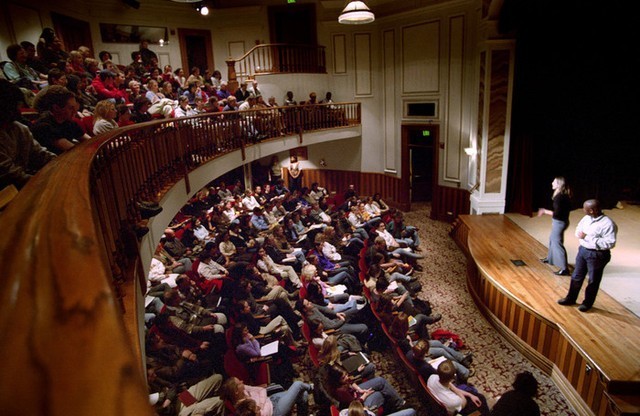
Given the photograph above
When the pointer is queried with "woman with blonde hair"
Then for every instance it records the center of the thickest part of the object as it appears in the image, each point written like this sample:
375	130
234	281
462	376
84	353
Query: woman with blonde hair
330	354
356	408
557	254
104	117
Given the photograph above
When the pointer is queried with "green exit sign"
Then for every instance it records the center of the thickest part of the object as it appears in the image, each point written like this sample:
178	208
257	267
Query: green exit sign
426	133
291	1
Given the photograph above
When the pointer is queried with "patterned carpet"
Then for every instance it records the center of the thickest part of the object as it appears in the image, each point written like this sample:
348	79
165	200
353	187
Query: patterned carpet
496	362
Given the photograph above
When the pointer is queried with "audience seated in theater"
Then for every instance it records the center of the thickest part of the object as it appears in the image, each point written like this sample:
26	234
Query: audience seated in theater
78	86
373	393
104	117
183	109
457	400
195	77
49	50
56	129
520	400
251	401
124	115
242	93
168	91
140	113
331	355
289	99
57	76
20	155
148	56
276	326
216	79
180	78
76	63
104	86
34	61
18	70
356	408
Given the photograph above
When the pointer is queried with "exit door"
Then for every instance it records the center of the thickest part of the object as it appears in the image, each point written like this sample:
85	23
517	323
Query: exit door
419	161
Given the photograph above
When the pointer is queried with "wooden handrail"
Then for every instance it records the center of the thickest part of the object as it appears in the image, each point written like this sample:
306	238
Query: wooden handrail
277	58
68	244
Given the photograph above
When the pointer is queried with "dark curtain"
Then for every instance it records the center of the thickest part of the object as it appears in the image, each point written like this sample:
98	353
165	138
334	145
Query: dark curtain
575	101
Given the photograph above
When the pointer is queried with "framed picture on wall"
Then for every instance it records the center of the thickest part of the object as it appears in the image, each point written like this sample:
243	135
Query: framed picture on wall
299	152
117	33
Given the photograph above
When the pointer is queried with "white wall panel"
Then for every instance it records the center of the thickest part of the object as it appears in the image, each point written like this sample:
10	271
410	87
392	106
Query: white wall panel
421	58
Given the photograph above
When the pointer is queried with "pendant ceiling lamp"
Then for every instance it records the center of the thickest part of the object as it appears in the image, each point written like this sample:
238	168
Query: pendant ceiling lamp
356	13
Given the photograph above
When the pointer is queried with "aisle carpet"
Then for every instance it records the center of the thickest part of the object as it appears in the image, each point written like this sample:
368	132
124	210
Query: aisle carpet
496	362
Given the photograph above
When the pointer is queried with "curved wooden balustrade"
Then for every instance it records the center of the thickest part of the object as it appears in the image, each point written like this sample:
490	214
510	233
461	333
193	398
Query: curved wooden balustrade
280	58
68	245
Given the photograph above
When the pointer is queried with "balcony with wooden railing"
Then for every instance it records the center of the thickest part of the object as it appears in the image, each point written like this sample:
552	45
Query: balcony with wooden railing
73	282
277	58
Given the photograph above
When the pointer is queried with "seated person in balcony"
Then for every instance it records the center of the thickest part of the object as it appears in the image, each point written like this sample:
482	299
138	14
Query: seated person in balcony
242	93
147	54
183	109
249	103
327	99
104	117
232	104
330	355
194	91
313	98
249	201
20	155
216	79
19	72
140	113
289	99
456	400
276	327
104	86
223	93
153	93
181	80
168	91
55	129
195	77
249	400
56	76
34	61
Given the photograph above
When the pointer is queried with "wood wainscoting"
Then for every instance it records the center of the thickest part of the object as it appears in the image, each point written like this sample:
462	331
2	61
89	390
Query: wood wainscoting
593	358
448	203
366	183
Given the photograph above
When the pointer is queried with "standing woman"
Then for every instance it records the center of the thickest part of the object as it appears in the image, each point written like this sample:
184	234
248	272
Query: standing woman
557	255
295	178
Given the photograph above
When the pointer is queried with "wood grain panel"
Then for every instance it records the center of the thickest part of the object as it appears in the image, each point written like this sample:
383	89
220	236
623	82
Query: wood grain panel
552	336
449	202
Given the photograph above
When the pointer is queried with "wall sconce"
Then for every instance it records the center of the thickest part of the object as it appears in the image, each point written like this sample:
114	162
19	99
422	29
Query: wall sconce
202	9
323	163
471	151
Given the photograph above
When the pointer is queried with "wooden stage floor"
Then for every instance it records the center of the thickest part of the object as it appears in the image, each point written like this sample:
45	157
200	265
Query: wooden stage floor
522	299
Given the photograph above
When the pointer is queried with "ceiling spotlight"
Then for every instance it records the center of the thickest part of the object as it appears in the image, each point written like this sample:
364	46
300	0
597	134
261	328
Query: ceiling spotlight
356	13
204	10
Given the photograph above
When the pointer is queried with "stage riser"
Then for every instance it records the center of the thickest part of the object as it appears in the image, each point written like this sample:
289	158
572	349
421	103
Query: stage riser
540	340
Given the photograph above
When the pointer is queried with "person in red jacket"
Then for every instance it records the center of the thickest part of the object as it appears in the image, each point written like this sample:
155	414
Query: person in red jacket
104	85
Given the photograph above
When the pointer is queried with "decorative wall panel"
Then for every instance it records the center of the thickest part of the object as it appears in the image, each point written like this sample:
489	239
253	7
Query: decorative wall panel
481	87
389	74
362	46
421	58
455	85
339	54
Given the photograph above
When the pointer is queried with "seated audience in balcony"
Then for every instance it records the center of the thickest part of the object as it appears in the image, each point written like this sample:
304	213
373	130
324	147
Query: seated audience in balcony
104	117
78	86
210	269
193	91
148	56
223	93
331	355
50	49
519	401
20	155
232	104
455	399
19	72
57	76
140	113
183	109
93	67
76	63
343	323
248	103
216	79
135	90
32	60
195	77
425	350
289	99
241	93
124	115
168	91
153	93
165	399
56	129
104	86
180	78
174	246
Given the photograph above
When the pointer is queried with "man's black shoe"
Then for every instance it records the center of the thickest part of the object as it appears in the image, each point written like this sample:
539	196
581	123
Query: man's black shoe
545	260
584	308
566	302
562	272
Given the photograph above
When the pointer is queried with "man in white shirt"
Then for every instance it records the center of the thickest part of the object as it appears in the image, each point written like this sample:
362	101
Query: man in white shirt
209	269
249	201
597	235
454	399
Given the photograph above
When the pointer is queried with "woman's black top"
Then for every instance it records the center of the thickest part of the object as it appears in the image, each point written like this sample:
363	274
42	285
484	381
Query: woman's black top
561	207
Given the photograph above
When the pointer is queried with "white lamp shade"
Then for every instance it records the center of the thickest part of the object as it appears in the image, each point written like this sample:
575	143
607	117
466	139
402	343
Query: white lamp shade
356	13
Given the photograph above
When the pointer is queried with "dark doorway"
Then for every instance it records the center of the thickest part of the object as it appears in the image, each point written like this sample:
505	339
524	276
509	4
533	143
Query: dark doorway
73	32
419	165
293	24
196	49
